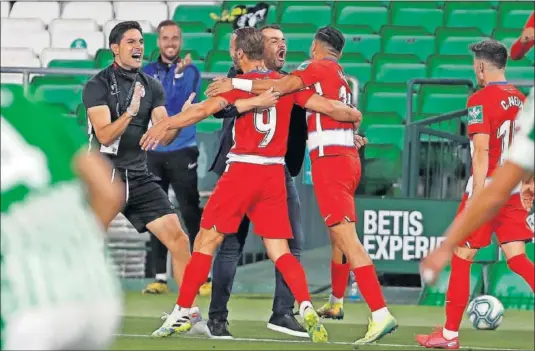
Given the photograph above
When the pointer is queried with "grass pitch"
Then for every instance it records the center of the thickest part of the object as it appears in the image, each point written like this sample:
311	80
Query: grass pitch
249	314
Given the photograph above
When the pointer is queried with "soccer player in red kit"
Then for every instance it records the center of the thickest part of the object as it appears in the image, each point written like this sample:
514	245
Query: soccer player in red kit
253	184
491	126
526	40
335	174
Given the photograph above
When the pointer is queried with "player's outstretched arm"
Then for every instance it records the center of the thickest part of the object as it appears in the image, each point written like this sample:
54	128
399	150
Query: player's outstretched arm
334	109
106	198
483	207
285	85
159	114
196	113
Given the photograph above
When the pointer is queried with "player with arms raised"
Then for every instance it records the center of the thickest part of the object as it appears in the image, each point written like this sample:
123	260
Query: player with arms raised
335	174
253	184
491	127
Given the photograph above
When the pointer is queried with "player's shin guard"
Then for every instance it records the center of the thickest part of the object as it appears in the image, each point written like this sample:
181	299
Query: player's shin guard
458	292
294	276
195	275
339	278
521	265
369	287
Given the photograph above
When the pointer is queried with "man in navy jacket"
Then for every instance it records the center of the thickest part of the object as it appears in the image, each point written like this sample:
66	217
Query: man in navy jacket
176	163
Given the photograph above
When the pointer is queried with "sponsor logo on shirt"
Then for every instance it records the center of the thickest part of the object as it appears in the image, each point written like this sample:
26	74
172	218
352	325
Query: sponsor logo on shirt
475	114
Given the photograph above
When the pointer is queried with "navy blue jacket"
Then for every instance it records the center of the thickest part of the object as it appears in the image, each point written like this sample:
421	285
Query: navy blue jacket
177	90
296	139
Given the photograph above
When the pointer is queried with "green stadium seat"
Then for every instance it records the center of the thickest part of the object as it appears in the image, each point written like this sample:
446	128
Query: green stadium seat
509	288
519	70
317	15
355	65
379	97
455	41
293	60
201	43
388	68
451	67
379	118
218	61
438	99
299	42
407	40
470	14
361	14
69	95
307	28
150	43
156	53
514	14
192	27
383	152
435	295
360	40
209	125
425	14
196	13
81	64
506	35
103	58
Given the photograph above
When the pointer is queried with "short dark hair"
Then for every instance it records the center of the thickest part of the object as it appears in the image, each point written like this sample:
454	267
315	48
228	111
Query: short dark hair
492	51
251	41
271	26
166	23
118	31
332	37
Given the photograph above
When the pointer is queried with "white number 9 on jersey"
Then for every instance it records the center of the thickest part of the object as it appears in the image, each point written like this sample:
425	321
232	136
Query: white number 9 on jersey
266	126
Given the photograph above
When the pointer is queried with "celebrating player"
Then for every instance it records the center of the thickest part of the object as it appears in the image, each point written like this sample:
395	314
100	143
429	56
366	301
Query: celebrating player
517	167
491	127
58	291
335	174
256	168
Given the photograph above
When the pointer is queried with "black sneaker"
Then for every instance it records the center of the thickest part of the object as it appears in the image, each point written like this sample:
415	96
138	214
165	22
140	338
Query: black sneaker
218	329
287	324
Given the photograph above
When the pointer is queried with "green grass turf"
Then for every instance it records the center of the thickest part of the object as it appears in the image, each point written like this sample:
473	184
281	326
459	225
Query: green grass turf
249	315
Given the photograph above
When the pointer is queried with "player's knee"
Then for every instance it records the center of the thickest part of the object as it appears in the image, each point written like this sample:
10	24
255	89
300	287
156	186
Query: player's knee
466	253
275	248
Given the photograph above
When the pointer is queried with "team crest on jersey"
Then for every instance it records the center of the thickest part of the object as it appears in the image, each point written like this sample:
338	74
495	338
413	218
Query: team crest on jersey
475	114
303	65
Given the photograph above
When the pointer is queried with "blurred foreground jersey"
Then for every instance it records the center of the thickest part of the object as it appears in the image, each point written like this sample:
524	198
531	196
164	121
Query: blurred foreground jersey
52	247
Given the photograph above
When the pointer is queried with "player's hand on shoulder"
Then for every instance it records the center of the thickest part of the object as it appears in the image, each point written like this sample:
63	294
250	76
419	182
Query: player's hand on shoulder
219	86
151	139
267	99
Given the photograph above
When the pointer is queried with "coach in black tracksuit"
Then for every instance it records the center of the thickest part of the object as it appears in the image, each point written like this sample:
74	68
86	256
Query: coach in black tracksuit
226	261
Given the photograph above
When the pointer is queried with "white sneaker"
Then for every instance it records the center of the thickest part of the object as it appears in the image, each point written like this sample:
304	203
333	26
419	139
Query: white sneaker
175	322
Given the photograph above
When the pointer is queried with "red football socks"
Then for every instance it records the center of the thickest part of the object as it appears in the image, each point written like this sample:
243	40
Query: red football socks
195	275
458	292
339	277
521	265
294	276
369	287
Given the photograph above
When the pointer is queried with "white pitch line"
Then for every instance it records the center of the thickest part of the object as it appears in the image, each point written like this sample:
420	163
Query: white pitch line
330	342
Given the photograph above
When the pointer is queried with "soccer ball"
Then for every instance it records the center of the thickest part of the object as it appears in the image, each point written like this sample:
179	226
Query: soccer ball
485	312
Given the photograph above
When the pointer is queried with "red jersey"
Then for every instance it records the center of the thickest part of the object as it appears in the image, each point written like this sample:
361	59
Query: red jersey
326	136
260	136
493	110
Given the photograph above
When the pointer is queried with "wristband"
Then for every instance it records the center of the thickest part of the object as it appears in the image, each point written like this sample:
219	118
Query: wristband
242	84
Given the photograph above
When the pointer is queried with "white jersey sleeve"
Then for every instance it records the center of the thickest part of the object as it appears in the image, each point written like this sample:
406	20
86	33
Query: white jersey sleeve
522	151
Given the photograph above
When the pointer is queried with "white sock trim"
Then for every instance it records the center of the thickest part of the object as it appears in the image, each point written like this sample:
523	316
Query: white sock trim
449	334
304	305
161	276
380	314
334	299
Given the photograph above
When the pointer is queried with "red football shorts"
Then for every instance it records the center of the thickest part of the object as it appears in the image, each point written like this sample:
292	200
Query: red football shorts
258	191
336	179
509	225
